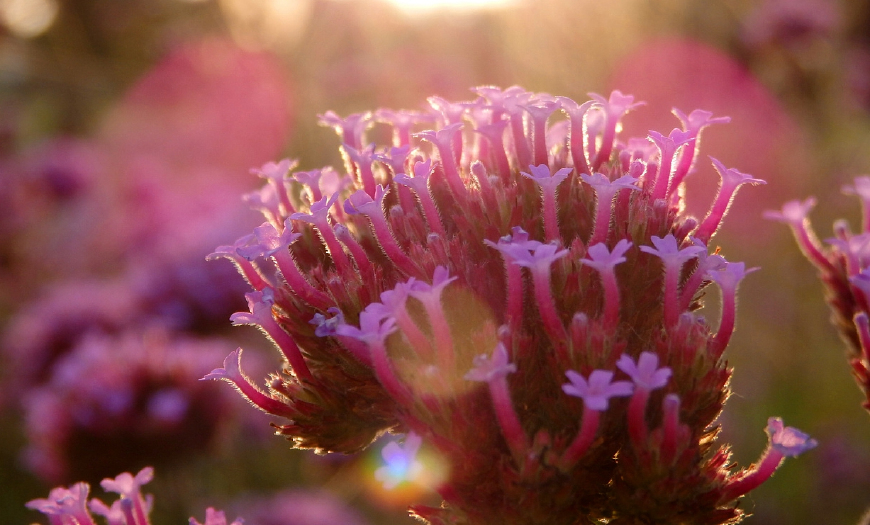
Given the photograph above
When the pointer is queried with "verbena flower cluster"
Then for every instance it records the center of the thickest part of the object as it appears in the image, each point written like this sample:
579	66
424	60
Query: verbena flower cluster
70	505
518	291
844	269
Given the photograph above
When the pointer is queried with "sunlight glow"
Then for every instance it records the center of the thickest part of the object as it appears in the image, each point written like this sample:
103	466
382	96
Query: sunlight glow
28	18
418	6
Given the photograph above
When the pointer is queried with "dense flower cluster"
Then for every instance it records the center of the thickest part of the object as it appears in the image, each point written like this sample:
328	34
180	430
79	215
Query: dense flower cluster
70	505
844	269
448	285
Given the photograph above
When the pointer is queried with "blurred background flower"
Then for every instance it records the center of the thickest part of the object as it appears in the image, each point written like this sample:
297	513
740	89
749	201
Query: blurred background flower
128	129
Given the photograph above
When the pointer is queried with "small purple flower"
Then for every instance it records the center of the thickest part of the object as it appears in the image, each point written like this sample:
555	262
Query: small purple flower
788	441
793	213
645	373
215	517
350	128
362	202
275	171
401	462
128	485
541	257
602	259
666	248
729	277
548	181
372	330
597	391
63	502
269	241
486	368
326	326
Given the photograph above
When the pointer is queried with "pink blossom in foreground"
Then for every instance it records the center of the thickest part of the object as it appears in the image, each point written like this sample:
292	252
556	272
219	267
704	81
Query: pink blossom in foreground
457	301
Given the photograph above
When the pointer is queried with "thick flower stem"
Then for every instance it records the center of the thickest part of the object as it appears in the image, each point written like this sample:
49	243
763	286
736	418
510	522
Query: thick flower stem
441	333
637	428
585	437
765	468
288	348
726	326
391	249
547	305
359	255
611	299
508	420
385	374
672	302
551	222
298	283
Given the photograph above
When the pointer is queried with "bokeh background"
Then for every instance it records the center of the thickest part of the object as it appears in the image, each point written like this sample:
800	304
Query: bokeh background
127	131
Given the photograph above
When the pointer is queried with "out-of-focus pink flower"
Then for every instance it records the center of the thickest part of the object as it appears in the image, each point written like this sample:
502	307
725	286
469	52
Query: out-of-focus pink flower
298	507
122	400
790	23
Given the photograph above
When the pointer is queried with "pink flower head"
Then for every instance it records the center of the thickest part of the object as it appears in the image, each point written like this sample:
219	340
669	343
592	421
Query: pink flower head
597	391
645	373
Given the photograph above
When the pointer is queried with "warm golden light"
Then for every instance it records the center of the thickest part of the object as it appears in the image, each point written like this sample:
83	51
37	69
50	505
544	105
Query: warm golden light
416	6
28	18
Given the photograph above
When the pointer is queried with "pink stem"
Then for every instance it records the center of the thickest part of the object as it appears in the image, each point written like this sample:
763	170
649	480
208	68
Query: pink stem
265	403
603	209
547	305
671	424
385	373
685	164
507	418
288	347
433	218
388	243
637	428
342	263
441	331
359	255
751	480
486	190
672	305
811	249
581	443
514	295
726	326
551	224
298	283
416	338
720	206
664	178
611	299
